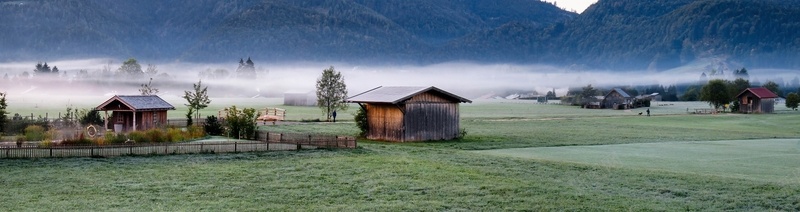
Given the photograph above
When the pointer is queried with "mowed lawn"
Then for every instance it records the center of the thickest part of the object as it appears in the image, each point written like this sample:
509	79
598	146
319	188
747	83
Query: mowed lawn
770	160
433	176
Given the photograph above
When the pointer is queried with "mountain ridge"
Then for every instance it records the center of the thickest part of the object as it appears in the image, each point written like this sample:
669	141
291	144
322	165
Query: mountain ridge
611	34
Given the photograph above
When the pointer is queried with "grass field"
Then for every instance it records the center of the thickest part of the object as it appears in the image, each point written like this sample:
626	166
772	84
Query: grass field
449	176
771	160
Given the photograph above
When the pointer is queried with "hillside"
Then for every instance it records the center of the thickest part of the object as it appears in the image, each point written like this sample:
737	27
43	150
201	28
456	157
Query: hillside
612	34
267	30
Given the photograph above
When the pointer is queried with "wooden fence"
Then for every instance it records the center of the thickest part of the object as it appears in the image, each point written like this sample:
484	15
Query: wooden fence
267	142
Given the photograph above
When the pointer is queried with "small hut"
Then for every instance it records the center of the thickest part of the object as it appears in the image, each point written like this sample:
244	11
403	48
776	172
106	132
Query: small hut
617	99
405	114
300	99
756	100
135	112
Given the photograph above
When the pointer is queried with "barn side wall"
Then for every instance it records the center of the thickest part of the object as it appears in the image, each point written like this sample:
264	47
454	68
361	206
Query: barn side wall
385	122
150	119
430	117
768	105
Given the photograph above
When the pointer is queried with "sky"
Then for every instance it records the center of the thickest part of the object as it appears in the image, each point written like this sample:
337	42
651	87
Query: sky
576	5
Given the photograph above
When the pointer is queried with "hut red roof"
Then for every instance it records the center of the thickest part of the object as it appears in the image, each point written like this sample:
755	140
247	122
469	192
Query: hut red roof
760	92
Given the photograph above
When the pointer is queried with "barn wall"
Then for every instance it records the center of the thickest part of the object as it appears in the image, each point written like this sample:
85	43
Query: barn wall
150	119
385	122
768	105
431	121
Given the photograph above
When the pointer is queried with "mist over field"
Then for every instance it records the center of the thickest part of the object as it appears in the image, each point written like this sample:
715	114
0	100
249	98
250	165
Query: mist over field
471	80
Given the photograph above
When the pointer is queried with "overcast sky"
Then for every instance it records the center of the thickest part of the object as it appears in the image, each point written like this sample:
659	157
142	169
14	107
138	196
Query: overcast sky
576	5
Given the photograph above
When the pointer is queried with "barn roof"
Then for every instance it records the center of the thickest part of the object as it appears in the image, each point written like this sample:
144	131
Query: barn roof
395	95
138	102
760	92
621	92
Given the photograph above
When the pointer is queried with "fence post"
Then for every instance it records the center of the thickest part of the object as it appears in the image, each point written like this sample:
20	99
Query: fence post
92	152
235	148
51	152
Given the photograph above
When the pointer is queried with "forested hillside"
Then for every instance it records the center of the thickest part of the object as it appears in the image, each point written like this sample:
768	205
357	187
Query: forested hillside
612	34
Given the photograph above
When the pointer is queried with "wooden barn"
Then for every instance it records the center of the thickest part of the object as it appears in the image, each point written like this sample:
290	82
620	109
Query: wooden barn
756	100
406	114
300	99
135	112
617	99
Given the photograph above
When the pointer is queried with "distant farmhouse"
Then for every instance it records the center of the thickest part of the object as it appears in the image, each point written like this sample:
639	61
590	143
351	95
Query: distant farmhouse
617	99
405	114
135	112
756	100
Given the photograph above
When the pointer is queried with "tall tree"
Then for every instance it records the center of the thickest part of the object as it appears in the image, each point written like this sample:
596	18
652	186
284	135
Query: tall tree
715	93
588	94
3	112
772	86
331	92
737	86
131	68
197	100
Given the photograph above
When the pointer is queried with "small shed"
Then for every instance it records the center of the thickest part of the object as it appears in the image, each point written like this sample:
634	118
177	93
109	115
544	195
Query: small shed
406	114
135	112
617	99
756	100
300	99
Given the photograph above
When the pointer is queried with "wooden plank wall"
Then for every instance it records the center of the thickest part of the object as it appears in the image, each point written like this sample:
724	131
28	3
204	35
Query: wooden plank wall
430	117
385	122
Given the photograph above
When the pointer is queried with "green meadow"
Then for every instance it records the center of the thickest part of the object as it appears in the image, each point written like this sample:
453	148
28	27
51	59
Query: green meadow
516	156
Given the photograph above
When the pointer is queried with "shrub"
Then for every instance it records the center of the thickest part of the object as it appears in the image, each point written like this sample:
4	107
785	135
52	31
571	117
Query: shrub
90	116
213	126
361	122
196	132
17	127
175	134
112	138
461	133
155	136
80	139
34	133
137	136
241	123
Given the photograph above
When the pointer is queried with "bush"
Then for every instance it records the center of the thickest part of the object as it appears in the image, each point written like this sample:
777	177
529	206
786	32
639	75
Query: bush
80	139
155	136
175	134
213	126
17	127
90	117
112	138
137	136
34	133
195	132
241	123
361	122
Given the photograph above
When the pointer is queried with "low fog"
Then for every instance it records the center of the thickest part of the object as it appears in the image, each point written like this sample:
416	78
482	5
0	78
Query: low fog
467	79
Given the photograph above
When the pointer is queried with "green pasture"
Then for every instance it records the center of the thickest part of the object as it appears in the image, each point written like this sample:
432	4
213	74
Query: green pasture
671	161
769	160
376	177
